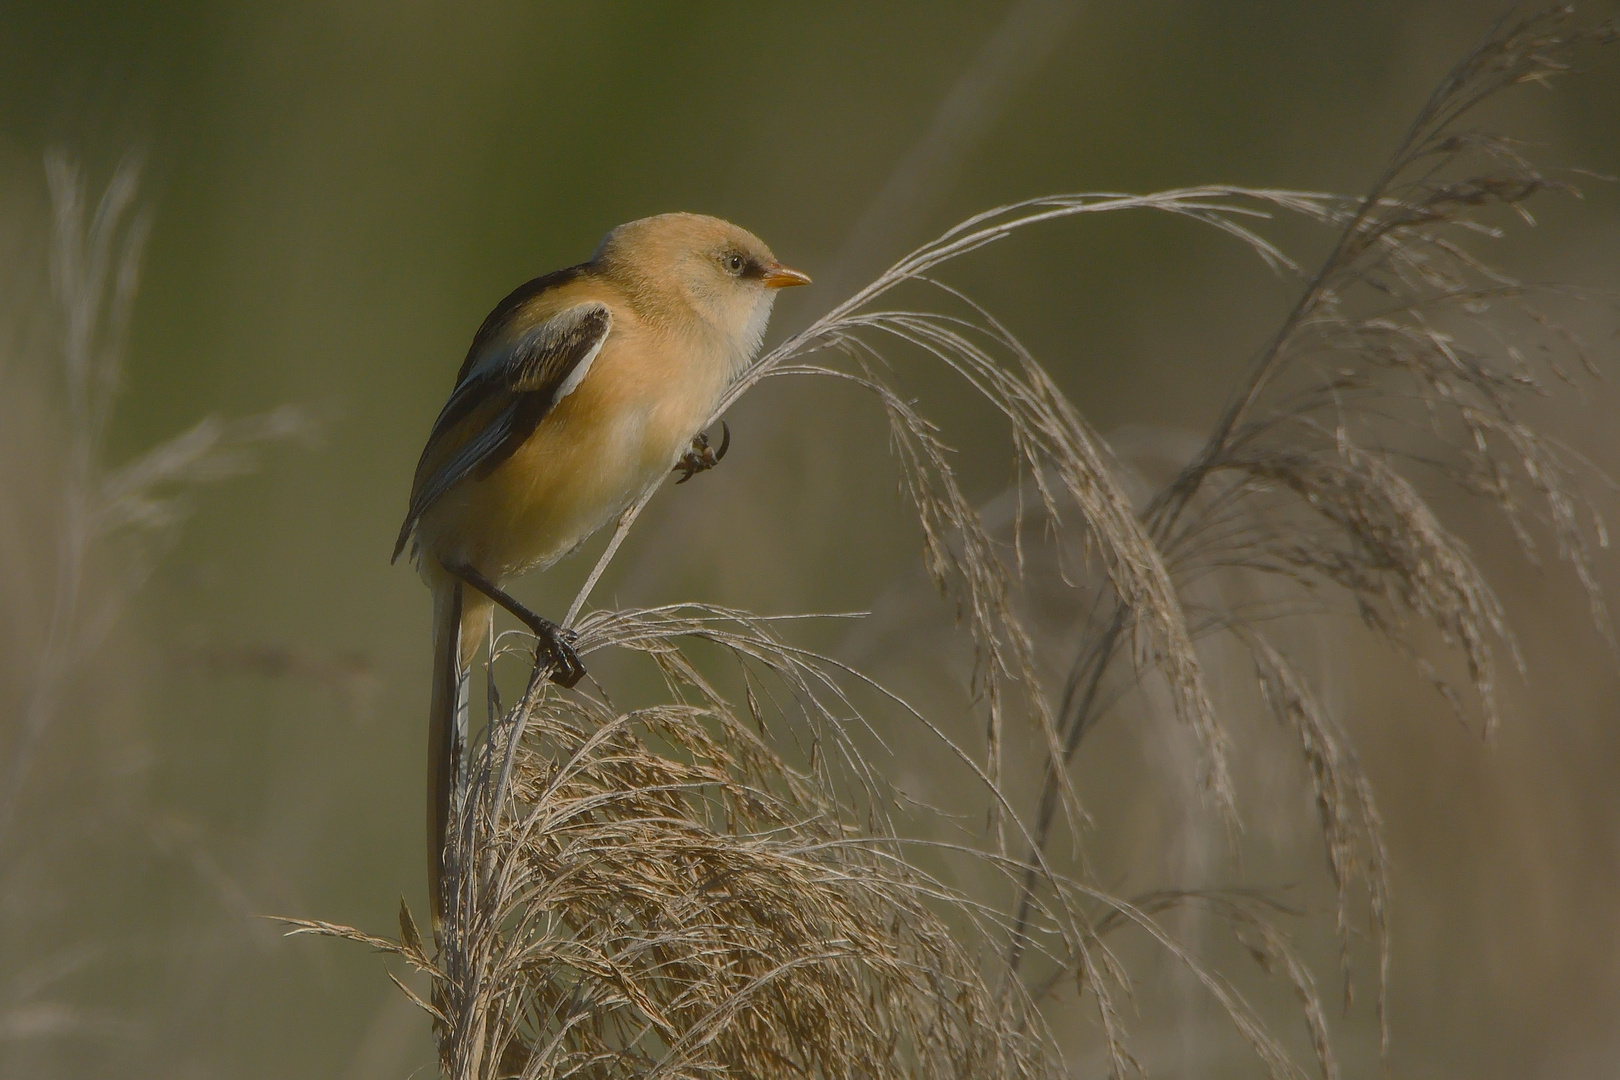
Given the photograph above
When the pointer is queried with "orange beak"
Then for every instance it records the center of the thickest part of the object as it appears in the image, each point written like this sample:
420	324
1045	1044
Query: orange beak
780	277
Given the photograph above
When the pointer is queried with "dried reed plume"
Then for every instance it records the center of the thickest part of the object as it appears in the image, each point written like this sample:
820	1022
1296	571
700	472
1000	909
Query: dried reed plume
82	536
657	892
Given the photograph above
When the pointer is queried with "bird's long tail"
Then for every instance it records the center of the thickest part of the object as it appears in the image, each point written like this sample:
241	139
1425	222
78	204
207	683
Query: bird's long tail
455	641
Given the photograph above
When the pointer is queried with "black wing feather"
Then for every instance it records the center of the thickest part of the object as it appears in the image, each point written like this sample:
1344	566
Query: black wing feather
510	304
530	373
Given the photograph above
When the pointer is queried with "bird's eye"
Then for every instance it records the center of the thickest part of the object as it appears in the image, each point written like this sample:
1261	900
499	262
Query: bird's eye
735	263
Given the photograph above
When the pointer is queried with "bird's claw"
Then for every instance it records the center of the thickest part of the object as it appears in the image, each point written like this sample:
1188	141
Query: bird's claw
556	648
702	457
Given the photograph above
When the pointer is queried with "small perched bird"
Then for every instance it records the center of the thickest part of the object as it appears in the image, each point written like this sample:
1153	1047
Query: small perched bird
581	390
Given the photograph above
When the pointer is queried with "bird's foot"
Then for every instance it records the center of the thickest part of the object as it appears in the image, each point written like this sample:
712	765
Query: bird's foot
552	643
554	646
702	457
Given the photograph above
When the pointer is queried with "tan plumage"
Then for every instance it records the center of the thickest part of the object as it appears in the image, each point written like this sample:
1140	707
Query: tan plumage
581	390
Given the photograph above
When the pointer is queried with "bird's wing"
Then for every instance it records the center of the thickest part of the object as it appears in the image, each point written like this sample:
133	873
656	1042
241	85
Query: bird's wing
501	398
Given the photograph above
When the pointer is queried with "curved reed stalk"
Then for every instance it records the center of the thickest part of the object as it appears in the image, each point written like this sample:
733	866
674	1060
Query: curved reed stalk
658	892
1404	362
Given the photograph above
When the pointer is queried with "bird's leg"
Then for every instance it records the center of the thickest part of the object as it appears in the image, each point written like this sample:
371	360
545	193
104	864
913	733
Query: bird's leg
701	458
566	667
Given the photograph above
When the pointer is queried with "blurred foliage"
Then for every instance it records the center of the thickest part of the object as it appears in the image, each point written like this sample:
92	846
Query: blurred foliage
340	192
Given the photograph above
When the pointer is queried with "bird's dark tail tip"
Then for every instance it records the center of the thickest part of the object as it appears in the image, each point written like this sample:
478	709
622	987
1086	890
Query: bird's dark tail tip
447	721
399	544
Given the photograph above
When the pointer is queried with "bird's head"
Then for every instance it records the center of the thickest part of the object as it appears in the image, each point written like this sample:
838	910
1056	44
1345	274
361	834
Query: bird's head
678	265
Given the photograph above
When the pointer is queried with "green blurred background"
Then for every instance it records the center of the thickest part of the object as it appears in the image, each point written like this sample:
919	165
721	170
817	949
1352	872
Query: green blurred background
342	190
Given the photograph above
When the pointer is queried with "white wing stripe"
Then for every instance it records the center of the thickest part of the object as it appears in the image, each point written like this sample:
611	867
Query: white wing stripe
575	377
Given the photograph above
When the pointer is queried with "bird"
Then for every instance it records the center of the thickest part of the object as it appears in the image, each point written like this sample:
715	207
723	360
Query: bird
582	389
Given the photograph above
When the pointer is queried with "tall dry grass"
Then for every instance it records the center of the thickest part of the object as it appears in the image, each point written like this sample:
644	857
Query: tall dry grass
718	883
80	537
